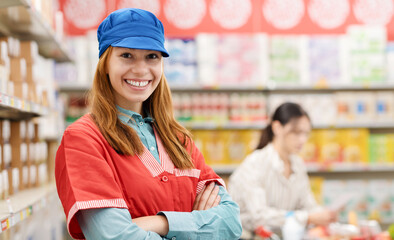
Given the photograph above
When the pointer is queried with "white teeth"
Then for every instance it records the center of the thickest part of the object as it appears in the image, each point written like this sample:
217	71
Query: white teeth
137	83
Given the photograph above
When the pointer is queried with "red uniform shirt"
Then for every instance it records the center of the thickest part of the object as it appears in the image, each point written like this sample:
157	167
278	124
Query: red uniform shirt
91	174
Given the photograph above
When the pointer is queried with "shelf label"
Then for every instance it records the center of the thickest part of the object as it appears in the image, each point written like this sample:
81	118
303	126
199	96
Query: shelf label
12	102
18	103
5	224
29	211
28	106
6	100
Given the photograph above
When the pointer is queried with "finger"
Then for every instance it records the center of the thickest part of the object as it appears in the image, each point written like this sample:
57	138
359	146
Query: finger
205	195
211	198
217	201
198	197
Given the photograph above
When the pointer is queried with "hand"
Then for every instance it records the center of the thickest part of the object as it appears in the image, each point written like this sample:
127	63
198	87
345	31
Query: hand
322	217
207	198
156	223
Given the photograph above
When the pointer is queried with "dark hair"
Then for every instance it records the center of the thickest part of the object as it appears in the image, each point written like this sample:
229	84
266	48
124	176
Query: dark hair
284	113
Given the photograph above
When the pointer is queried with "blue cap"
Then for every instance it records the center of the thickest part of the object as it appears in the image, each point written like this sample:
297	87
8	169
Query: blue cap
131	28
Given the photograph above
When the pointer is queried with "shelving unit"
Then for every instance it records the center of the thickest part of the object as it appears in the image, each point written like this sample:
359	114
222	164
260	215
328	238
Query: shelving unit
318	170
295	88
19	19
17	109
23	204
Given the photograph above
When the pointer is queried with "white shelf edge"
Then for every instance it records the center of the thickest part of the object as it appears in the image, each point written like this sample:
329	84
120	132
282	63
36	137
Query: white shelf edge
226	126
23	106
68	87
260	126
230	168
197	87
24	204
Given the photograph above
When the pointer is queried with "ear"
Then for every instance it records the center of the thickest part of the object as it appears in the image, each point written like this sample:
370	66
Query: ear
276	127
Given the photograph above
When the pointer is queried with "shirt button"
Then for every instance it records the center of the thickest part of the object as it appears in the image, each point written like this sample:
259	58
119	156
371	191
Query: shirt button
164	178
173	238
141	123
152	148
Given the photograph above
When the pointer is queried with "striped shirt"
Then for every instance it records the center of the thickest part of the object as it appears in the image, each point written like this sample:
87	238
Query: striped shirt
265	195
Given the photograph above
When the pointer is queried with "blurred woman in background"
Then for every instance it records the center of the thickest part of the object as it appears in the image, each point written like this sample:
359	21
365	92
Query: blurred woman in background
272	182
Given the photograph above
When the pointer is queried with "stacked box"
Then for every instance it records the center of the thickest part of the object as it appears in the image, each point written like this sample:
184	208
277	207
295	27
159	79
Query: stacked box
29	51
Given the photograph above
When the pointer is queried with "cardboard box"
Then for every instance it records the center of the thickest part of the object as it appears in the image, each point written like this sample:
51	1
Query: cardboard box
18	131
29	51
7	156
3	52
21	90
13	46
4	177
30	75
32	92
17	69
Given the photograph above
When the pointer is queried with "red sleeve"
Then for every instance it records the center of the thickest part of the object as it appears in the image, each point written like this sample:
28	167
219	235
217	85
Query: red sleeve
84	179
207	174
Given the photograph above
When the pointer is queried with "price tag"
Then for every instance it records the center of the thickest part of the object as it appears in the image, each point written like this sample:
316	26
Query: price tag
18	103
5	224
12	102
6	100
28	106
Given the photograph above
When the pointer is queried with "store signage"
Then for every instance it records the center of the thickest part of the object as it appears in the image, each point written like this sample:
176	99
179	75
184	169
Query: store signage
186	18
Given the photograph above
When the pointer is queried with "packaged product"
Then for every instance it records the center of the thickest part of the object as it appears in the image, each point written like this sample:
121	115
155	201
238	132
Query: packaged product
355	146
379	200
330	147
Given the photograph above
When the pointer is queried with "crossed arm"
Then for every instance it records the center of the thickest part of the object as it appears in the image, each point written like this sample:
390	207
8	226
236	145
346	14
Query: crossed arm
212	216
206	199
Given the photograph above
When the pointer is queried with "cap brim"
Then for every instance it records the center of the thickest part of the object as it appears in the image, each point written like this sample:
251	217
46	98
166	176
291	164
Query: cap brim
146	43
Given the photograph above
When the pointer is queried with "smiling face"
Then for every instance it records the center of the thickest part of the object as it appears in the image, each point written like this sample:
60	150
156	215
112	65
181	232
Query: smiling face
134	74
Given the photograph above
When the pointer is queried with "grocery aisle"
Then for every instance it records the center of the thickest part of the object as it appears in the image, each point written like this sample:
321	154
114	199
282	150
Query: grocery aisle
232	63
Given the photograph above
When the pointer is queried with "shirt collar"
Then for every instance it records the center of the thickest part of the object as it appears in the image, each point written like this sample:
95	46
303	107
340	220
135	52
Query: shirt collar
278	163
126	115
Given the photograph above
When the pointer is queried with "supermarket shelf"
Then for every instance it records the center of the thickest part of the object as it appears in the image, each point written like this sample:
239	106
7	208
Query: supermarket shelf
260	126
19	19
349	168
74	88
374	125
9	3
16	109
226	126
340	168
224	169
292	88
198	88
23	204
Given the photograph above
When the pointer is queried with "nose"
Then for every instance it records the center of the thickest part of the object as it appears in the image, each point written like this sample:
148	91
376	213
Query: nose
139	68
